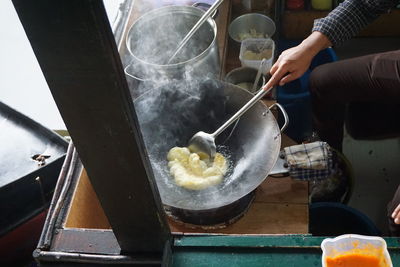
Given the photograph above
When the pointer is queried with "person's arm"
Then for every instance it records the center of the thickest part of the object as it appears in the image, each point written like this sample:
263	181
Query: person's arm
351	16
293	62
339	25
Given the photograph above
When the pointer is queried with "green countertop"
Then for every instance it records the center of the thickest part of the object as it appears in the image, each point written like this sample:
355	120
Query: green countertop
285	251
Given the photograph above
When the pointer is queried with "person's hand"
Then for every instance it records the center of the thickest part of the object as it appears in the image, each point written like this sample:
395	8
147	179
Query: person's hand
291	64
295	61
396	215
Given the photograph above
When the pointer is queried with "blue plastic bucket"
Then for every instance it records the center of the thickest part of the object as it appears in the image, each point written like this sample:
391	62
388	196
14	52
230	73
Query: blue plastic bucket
333	219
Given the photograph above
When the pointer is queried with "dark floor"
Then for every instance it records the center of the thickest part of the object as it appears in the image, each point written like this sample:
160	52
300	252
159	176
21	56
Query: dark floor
376	164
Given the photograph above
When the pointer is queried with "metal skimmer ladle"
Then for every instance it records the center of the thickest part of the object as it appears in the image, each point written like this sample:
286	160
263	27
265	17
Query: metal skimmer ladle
198	24
205	142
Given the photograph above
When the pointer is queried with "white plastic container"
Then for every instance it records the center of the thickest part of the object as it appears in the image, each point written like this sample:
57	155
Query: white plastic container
253	50
356	244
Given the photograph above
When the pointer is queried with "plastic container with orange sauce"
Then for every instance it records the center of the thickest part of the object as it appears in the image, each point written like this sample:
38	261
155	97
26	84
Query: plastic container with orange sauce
355	251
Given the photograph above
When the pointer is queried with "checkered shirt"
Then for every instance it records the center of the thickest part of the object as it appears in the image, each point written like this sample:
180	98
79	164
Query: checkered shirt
347	19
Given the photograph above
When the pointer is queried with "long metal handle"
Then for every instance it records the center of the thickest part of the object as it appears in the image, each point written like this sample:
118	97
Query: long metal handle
205	16
199	4
237	115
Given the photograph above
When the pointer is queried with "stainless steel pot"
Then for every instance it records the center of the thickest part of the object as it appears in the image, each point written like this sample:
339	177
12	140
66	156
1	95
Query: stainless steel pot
245	75
153	38
169	116
251	22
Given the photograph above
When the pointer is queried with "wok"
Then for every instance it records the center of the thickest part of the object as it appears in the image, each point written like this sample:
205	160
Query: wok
169	115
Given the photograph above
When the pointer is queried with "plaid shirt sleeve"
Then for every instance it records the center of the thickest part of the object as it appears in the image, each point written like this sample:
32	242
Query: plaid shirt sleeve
347	19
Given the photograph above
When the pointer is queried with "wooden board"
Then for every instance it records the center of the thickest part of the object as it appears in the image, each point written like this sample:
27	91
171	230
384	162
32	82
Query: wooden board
85	210
280	207
298	24
232	48
222	21
282	190
261	219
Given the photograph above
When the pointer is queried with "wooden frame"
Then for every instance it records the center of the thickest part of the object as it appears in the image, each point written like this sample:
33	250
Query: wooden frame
76	50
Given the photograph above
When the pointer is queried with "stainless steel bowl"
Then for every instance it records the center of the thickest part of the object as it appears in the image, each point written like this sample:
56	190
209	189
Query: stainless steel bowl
244	75
243	24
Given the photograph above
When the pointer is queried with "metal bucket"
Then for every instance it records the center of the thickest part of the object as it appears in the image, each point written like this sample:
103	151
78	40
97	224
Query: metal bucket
153	38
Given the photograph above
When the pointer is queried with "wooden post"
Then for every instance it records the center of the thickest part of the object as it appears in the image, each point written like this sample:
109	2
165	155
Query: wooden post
76	50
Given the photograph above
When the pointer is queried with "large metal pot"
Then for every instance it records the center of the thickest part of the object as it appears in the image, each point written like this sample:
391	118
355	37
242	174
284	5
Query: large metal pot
153	38
169	116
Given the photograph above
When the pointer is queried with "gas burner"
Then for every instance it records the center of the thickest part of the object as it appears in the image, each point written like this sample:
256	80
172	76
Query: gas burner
216	218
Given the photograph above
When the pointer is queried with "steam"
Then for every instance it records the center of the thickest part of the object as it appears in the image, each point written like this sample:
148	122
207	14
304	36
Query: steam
154	37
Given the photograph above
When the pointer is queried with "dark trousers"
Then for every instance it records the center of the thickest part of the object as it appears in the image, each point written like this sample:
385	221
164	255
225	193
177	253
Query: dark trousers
371	78
368	79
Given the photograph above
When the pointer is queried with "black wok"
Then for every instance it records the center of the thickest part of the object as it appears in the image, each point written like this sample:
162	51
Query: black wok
171	114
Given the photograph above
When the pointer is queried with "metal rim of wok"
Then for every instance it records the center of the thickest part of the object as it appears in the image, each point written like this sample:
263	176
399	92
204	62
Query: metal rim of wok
191	10
260	149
